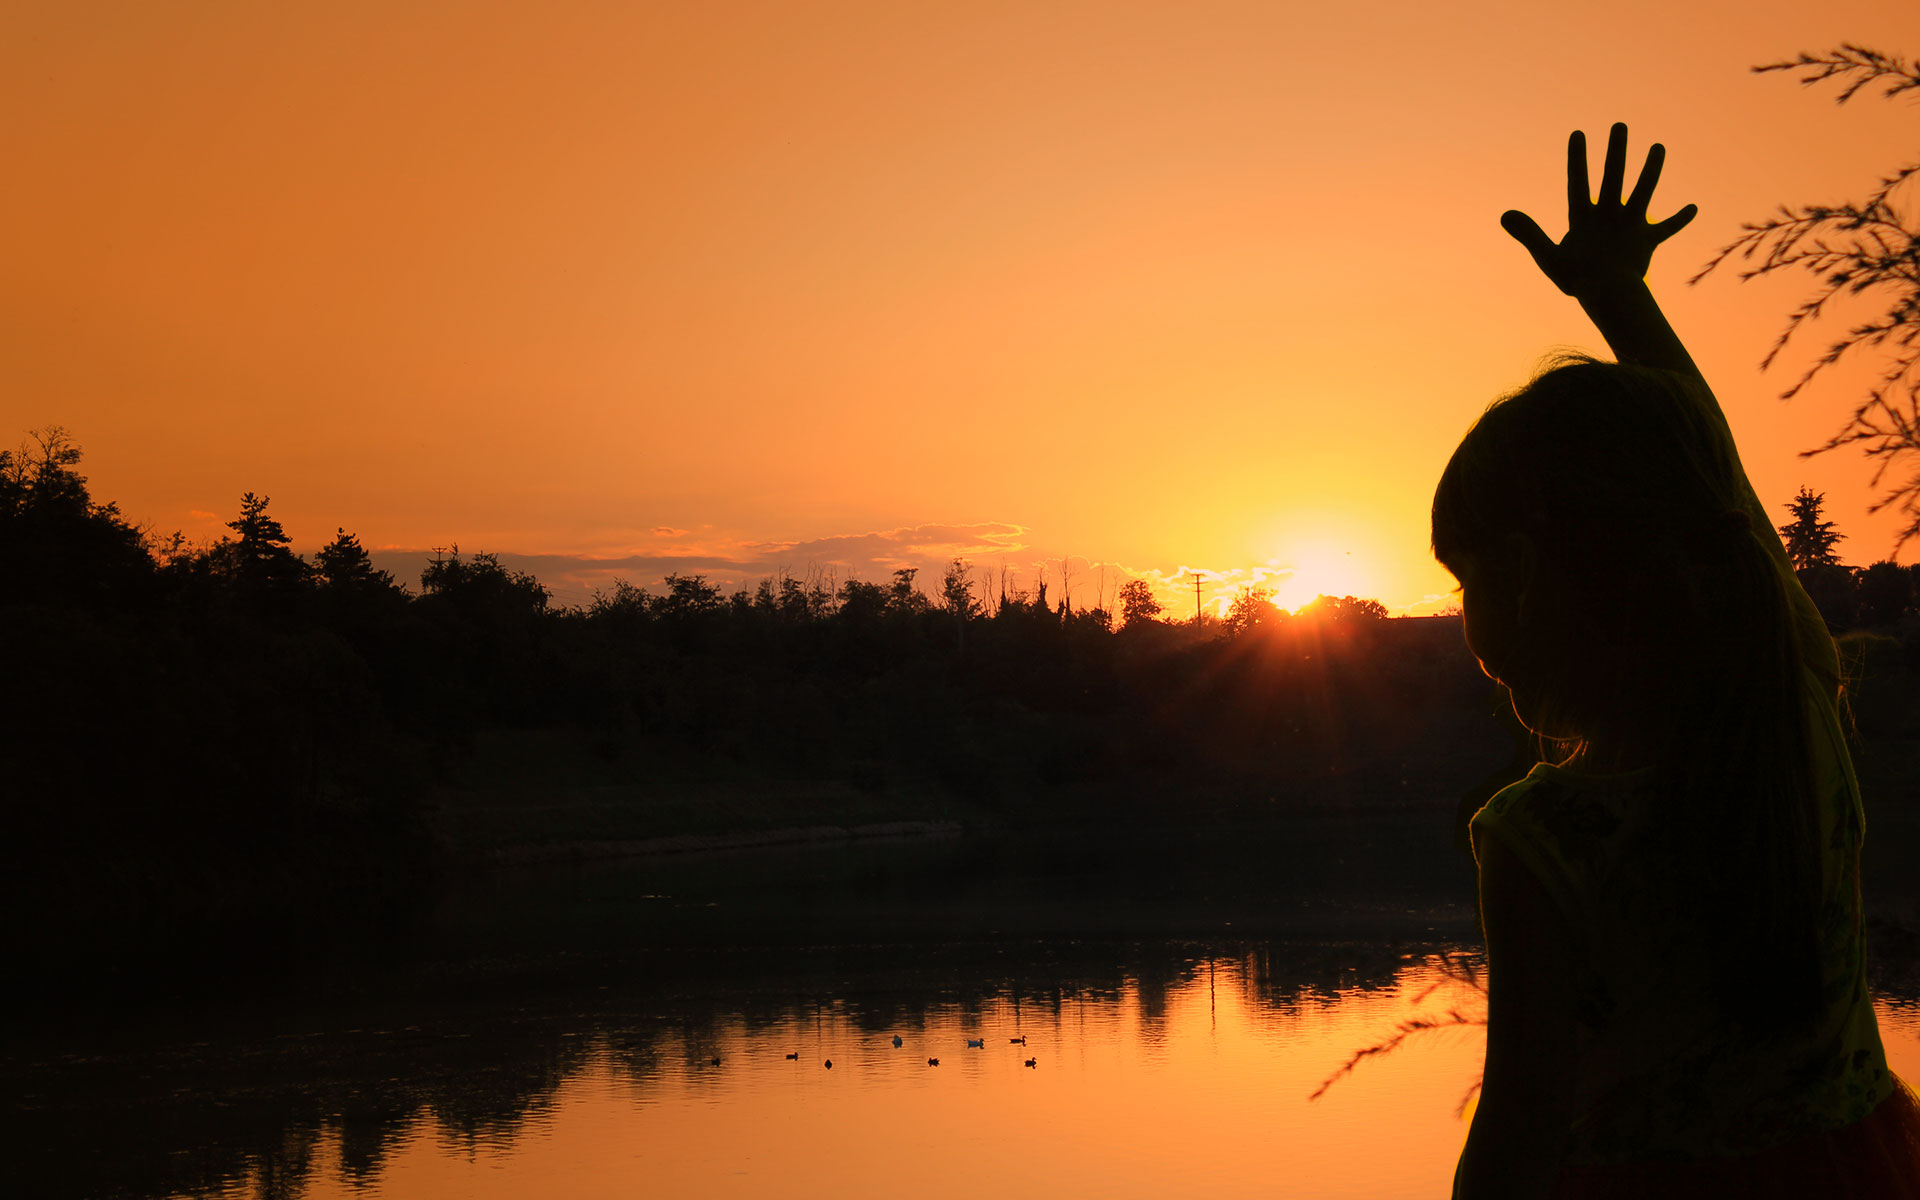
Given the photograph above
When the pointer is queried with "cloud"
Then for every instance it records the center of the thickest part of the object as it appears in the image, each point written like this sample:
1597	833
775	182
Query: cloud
906	546
1433	604
736	562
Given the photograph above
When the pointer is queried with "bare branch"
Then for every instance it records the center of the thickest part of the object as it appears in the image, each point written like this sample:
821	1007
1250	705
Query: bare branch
1456	971
1856	66
1453	1019
1852	250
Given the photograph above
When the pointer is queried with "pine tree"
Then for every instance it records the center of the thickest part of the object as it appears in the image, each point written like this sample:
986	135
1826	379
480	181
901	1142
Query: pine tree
1809	539
260	561
345	565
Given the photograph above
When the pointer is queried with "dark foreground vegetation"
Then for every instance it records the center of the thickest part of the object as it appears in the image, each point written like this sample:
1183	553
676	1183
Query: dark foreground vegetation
232	745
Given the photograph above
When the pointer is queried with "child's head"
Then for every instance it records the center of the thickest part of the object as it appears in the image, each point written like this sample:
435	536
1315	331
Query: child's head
1609	577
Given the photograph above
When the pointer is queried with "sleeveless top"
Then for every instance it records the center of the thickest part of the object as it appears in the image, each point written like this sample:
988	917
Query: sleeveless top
1659	1073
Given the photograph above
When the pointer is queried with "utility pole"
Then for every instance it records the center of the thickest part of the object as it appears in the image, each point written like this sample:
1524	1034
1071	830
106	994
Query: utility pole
1196	596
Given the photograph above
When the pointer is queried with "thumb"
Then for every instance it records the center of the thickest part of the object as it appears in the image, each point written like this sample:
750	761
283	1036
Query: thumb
1673	224
1528	233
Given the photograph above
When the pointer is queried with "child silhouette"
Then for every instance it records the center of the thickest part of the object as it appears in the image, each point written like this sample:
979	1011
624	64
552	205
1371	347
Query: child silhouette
1677	999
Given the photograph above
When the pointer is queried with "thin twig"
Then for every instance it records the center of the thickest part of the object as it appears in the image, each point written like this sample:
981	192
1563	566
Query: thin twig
1850	250
1858	65
1454	1018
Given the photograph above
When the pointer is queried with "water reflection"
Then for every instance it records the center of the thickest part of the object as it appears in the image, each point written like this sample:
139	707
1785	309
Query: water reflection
1158	1068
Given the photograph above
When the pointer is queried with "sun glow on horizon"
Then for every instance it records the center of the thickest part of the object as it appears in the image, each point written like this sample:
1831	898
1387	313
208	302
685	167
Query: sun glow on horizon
1322	567
1048	275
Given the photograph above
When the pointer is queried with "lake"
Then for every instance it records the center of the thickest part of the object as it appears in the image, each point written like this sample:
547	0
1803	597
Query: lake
543	1048
1170	1069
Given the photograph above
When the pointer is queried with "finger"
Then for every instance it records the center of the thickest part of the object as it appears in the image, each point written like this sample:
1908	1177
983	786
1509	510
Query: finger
1579	197
1675	223
1649	178
1615	172
1528	233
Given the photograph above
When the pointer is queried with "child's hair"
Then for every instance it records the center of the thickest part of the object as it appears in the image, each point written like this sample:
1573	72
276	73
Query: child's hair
1649	593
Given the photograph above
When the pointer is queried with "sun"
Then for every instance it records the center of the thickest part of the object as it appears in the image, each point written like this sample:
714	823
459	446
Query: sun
1319	568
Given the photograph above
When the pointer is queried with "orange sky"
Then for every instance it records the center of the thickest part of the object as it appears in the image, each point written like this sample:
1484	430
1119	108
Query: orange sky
846	285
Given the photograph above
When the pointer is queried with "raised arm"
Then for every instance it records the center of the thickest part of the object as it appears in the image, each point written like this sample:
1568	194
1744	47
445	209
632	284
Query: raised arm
1602	262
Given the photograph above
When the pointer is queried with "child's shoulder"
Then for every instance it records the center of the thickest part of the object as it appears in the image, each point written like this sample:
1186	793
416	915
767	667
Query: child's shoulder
1562	821
1561	795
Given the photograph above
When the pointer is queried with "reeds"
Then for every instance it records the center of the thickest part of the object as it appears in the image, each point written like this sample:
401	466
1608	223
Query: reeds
1456	971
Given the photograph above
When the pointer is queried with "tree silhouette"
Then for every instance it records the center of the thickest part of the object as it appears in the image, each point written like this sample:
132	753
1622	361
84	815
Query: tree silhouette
625	605
1809	540
956	590
353	595
56	544
344	565
787	599
688	596
1884	591
861	601
903	596
258	560
1831	588
44	471
1251	608
957	599
1850	249
1137	602
479	586
1344	608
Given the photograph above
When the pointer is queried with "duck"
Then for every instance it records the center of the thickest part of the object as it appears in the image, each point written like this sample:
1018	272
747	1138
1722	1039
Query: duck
933	1062
1019	1041
794	1057
714	1061
1033	1062
829	1064
897	1043
976	1043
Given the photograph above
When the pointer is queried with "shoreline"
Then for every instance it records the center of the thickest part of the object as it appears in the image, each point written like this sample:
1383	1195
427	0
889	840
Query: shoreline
584	850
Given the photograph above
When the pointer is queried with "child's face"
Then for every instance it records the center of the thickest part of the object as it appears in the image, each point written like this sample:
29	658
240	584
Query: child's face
1489	608
1490	601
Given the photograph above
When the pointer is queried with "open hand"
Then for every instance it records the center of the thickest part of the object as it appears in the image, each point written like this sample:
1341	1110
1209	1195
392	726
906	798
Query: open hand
1608	241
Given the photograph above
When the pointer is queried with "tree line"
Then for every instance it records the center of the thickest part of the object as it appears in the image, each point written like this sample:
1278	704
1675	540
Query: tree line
231	735
236	737
1876	596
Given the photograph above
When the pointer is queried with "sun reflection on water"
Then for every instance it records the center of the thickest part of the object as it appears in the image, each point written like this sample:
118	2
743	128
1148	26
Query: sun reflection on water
1188	1076
1144	1091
